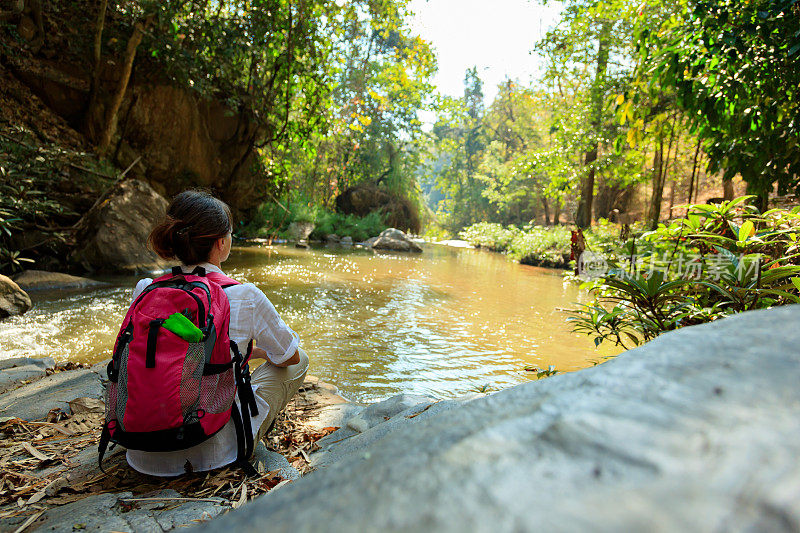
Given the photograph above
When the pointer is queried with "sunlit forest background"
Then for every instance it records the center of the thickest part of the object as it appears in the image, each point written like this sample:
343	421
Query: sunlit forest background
327	112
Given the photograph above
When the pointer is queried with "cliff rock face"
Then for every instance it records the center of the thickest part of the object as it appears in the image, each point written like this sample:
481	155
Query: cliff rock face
183	139
188	141
112	236
13	300
695	431
364	199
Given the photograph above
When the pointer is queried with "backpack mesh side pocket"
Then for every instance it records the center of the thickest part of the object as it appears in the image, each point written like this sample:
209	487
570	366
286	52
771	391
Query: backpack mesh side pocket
191	377
110	395
120	394
217	392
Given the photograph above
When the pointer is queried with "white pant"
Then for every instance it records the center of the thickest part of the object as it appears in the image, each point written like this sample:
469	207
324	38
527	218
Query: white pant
277	385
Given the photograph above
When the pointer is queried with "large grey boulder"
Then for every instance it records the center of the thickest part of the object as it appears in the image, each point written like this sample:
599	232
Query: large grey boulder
13	300
36	280
369	425
396	241
299	231
13	372
695	431
153	512
266	460
34	400
112	236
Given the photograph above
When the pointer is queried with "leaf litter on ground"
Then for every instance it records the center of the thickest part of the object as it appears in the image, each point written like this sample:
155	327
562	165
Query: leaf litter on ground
38	468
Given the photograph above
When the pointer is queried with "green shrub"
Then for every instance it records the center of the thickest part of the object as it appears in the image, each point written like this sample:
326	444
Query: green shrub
537	244
719	260
359	228
489	235
540	245
272	219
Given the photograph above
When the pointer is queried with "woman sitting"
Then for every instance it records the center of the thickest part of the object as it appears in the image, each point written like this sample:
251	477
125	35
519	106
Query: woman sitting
197	232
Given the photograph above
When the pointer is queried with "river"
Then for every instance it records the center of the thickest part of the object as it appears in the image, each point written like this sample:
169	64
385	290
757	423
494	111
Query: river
444	322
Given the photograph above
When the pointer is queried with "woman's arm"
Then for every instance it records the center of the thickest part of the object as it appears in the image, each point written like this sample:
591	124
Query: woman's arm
274	340
258	353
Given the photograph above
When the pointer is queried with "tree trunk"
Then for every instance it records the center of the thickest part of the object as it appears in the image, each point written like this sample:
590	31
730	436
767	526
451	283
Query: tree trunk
668	167
36	11
694	173
762	201
94	86
556	212
546	211
699	179
671	197
584	216
660	171
727	190
127	65
658	185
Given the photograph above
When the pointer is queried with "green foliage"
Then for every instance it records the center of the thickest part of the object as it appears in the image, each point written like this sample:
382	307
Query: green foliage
381	76
720	259
328	92
734	70
534	143
30	179
538	245
273	220
490	235
541	245
540	374
359	228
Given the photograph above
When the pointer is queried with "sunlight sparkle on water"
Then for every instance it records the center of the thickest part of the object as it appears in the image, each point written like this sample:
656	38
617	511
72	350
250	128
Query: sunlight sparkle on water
444	322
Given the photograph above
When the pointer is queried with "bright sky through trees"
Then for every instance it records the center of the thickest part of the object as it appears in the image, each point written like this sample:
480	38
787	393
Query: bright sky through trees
495	36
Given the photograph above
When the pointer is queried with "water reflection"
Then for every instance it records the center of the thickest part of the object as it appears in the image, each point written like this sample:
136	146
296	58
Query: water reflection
443	322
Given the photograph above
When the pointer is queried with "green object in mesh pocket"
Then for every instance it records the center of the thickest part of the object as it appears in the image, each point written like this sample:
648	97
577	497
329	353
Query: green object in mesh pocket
181	326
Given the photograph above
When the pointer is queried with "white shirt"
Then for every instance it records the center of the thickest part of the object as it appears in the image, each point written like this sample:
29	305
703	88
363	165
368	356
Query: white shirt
252	317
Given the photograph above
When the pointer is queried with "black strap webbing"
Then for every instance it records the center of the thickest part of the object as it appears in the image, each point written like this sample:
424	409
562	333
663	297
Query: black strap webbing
198	271
244	441
210	369
152	339
105	438
249	353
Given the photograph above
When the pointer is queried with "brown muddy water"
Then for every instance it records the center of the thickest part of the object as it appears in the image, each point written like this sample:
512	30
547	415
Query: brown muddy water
445	322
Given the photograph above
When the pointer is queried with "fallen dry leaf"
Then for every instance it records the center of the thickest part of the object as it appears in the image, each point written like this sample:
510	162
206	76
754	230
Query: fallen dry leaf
36	497
242	497
34	452
87	405
31	519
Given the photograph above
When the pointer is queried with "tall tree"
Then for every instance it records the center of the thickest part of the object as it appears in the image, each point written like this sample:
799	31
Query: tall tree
94	85
735	68
583	218
110	123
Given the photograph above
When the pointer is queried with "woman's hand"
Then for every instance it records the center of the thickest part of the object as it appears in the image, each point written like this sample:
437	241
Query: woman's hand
258	353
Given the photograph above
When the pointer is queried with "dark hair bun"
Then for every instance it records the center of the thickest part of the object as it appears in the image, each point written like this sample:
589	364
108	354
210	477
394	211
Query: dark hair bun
195	221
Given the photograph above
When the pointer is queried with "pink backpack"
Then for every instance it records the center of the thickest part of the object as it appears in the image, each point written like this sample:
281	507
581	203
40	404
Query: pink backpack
167	393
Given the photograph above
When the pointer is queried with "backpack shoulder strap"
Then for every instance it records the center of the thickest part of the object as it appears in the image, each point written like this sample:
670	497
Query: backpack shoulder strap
222	280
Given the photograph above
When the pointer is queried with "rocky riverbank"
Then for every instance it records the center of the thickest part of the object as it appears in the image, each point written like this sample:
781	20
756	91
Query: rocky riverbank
49	425
695	431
